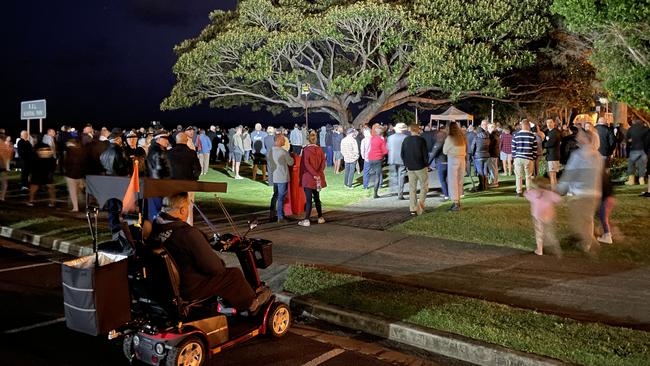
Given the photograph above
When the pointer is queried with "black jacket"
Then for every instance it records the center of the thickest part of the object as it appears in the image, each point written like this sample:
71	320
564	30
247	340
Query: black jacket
184	163
430	138
607	140
94	150
114	161
157	162
636	136
438	156
137	153
25	151
74	162
552	145
480	148
494	144
43	165
414	153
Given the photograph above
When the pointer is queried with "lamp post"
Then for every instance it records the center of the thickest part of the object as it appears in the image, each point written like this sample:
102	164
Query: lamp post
492	113
306	89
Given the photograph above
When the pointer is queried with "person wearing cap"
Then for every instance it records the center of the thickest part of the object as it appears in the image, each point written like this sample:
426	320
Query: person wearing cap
211	133
397	170
350	152
157	168
113	159
134	152
190	132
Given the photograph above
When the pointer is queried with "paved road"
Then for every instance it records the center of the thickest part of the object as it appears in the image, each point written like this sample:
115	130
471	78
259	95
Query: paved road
33	332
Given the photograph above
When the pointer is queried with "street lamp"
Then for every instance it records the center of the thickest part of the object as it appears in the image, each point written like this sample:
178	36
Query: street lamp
306	89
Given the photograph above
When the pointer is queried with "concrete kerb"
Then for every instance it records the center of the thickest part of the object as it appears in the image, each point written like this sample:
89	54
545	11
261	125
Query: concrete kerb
45	242
446	344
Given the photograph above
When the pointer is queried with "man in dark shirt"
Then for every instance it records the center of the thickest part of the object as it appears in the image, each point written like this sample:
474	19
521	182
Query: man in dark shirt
552	144
415	156
638	158
184	164
202	272
25	154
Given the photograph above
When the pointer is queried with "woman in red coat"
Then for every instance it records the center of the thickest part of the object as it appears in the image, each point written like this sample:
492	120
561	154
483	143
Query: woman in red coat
312	173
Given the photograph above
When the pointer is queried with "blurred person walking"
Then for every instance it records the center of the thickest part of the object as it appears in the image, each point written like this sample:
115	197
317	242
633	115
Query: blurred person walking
542	208
42	173
582	177
455	147
312	173
415	155
6	154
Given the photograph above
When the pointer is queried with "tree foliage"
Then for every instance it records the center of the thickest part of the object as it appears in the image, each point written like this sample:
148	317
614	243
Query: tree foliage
361	57
619	32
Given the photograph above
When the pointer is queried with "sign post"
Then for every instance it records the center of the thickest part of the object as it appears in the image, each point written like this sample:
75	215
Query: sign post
33	109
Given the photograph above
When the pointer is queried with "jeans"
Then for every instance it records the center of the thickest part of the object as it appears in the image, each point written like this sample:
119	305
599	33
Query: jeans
455	177
281	189
349	173
154	205
481	166
376	173
366	174
442	177
309	193
329	155
297	149
221	148
637	161
397	178
604	210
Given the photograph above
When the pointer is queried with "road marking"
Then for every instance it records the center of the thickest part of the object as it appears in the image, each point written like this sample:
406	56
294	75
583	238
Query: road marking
324	357
25	267
33	326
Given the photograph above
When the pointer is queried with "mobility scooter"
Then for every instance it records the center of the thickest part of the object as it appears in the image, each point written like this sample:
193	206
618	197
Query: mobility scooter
164	328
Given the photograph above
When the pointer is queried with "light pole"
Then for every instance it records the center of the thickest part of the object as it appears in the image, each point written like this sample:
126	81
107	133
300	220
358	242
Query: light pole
492	113
306	89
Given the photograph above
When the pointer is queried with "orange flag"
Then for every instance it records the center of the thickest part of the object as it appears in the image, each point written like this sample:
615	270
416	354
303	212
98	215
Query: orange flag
129	202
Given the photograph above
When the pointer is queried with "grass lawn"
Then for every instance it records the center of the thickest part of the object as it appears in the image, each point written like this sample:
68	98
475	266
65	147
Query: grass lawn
497	217
246	195
523	330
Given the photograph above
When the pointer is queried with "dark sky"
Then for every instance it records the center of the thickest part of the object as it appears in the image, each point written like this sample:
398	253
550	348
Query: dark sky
103	62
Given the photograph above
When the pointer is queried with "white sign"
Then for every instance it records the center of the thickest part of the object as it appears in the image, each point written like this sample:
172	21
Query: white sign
33	109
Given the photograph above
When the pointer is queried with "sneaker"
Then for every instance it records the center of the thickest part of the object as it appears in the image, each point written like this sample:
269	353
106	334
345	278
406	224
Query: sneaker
321	220
645	194
606	238
23	188
30	204
238	177
304	222
519	194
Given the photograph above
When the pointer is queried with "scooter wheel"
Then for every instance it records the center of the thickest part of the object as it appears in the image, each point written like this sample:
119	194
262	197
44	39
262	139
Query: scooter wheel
190	352
279	320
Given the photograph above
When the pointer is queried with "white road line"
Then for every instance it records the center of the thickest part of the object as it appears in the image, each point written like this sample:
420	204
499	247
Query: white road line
25	267
38	325
324	357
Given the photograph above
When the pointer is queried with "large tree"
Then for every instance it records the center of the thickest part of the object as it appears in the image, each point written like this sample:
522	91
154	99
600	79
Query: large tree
618	31
360	57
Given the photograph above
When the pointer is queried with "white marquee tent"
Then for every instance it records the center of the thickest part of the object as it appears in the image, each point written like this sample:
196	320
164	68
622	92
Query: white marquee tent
452	114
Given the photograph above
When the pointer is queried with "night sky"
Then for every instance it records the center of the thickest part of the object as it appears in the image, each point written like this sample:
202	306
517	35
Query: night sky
102	62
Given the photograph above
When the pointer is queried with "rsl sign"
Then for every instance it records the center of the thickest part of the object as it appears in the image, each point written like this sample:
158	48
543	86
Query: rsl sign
33	109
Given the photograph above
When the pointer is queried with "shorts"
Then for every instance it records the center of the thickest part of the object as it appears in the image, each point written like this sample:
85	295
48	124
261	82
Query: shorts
338	155
504	156
554	166
237	156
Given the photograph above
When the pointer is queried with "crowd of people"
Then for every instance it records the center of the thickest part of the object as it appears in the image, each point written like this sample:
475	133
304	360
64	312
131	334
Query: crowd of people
293	161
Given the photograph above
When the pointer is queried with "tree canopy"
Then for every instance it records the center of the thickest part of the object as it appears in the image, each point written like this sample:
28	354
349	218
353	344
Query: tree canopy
619	32
360	57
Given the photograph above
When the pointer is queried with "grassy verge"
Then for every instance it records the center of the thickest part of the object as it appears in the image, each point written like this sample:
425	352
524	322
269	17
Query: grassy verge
246	195
67	229
498	218
523	330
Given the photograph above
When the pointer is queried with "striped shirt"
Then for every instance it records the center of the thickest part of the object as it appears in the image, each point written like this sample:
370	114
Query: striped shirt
524	145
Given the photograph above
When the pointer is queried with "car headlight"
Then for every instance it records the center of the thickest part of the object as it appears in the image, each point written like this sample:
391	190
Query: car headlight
136	341
159	348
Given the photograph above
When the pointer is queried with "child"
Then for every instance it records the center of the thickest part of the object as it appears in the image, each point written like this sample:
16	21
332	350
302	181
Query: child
542	208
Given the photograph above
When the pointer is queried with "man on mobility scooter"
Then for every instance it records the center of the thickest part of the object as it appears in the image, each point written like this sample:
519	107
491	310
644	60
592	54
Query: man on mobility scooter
202	273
